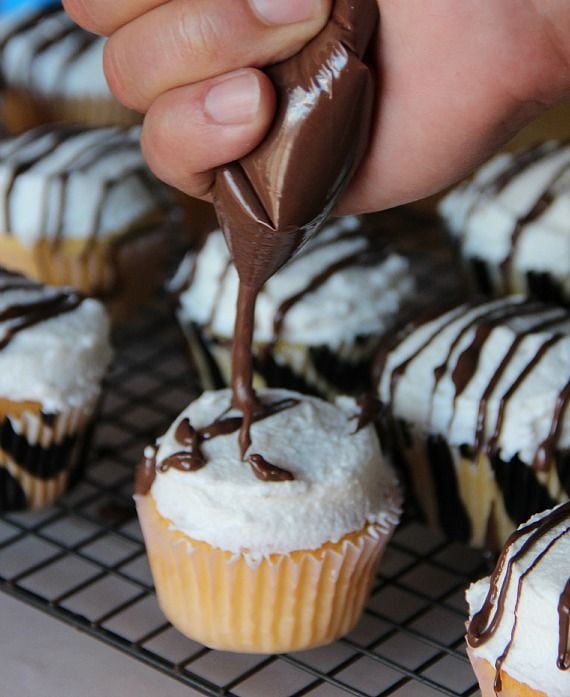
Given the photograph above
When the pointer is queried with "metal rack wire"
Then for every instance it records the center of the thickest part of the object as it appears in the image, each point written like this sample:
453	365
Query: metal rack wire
83	561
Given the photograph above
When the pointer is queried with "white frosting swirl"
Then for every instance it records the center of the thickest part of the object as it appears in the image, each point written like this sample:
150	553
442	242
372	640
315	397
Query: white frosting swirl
355	300
532	656
58	182
59	361
45	52
436	408
341	482
484	219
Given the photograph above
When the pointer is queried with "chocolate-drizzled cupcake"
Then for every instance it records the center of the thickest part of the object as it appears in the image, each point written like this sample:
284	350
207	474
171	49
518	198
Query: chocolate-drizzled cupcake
275	552
54	350
477	415
79	207
519	628
52	70
318	320
511	223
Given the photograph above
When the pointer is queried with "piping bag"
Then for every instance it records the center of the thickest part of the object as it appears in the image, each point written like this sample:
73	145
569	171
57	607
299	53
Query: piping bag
270	202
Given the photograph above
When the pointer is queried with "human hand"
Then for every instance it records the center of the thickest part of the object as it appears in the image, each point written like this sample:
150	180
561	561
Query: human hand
455	81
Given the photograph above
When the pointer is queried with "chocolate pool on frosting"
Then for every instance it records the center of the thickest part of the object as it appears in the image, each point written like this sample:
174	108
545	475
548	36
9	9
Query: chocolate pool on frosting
271	201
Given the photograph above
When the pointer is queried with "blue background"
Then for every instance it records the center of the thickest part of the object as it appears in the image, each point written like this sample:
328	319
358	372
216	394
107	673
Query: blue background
6	5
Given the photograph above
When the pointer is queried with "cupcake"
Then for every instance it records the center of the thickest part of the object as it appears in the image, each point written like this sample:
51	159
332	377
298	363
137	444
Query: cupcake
476	415
54	351
79	207
518	634
318	320
511	223
52	70
277	552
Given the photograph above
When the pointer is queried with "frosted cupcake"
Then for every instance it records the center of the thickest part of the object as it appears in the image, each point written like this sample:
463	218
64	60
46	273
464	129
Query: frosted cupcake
477	415
53	71
318	321
511	223
79	207
275	553
518	632
54	351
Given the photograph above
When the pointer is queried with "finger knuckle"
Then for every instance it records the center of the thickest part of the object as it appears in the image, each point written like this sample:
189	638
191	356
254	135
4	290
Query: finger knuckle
118	76
199	34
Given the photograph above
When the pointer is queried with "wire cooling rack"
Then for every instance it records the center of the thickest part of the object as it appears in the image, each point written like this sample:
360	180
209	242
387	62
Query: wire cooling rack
83	561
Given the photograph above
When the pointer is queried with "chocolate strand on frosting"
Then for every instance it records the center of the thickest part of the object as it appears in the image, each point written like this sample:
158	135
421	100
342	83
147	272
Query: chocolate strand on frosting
546	449
364	257
485	622
498	683
274	199
465	368
497	184
545	199
267	471
563	661
193	458
498	374
21	315
81	149
67	30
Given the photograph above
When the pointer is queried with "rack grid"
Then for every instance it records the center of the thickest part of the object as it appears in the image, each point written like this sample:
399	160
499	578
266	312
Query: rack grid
83	561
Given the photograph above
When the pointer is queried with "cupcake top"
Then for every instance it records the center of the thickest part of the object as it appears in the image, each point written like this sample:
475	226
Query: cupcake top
87	183
492	375
344	283
519	615
44	51
311	476
516	210
54	344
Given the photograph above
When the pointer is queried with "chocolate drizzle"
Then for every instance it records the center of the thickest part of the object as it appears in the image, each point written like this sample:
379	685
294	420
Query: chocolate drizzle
19	315
482	324
521	161
371	409
485	622
146	471
193	457
277	197
372	255
563	661
268	472
61	30
26	153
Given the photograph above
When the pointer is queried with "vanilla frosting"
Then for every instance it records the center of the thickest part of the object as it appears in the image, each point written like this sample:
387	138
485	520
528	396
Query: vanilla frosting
516	210
69	182
341	484
499	345
357	299
44	51
54	344
528	612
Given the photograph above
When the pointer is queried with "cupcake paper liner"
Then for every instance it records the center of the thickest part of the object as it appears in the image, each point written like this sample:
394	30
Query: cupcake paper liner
38	456
471	497
485	673
315	370
282	602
